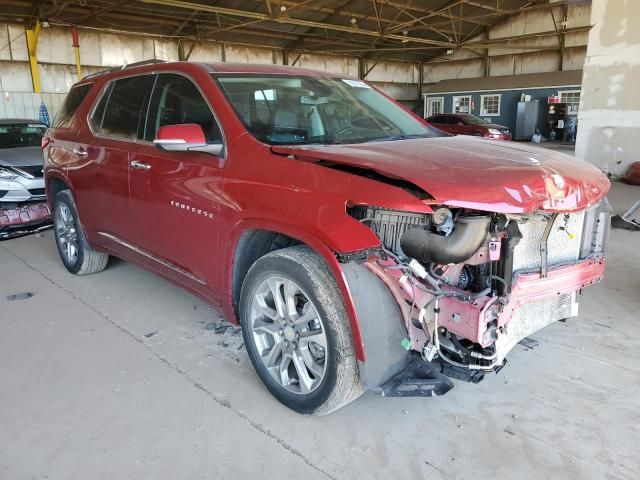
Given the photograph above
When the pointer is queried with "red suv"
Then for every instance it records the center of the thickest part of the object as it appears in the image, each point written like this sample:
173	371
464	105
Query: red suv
465	124
357	247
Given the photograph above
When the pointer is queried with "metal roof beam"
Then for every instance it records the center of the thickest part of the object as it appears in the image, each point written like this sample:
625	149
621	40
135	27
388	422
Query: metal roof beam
291	21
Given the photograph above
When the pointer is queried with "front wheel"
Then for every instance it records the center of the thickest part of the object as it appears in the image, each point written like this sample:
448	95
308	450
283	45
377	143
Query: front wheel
296	331
77	255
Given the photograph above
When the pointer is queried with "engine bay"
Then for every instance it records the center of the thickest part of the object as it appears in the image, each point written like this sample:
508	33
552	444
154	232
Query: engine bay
471	285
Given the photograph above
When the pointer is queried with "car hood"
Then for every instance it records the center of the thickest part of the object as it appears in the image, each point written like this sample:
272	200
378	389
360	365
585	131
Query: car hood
473	173
21	156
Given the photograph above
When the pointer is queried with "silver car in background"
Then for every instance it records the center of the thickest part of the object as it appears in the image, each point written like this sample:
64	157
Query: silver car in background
23	205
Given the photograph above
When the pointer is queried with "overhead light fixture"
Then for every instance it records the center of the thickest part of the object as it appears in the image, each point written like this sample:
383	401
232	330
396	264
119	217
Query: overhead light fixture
283	8
405	33
44	24
450	52
354	22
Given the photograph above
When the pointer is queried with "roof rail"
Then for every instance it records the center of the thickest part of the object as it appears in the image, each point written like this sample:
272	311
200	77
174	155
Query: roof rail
124	67
151	61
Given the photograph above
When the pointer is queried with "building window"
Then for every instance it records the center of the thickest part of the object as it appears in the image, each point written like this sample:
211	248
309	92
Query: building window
490	105
572	99
434	106
462	104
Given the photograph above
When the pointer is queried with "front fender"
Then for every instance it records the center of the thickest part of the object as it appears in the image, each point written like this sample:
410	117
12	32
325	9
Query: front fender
304	237
381	325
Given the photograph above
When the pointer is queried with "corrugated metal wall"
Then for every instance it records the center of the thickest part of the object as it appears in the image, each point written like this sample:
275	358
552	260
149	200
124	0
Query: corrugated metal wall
27	104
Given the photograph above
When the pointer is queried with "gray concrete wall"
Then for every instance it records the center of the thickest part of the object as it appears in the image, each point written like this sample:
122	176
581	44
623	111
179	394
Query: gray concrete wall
609	117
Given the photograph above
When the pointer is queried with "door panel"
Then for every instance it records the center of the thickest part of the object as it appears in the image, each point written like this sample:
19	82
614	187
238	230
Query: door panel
175	197
101	174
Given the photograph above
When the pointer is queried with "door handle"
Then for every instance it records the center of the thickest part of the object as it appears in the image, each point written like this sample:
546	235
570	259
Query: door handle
80	152
138	165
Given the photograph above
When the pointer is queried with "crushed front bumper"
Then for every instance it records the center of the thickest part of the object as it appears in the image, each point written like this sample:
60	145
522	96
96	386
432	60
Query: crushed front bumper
533	303
18	219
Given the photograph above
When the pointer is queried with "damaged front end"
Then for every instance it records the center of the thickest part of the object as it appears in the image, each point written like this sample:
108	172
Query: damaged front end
470	285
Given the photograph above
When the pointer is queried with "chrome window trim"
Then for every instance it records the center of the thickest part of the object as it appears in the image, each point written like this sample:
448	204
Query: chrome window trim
156	74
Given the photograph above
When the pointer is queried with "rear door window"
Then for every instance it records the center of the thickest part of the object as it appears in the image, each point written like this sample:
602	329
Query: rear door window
71	103
176	100
120	110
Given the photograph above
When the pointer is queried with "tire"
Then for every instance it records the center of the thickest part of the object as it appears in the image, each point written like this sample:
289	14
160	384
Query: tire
75	252
311	336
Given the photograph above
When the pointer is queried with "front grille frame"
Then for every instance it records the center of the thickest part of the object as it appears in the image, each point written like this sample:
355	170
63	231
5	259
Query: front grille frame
36	171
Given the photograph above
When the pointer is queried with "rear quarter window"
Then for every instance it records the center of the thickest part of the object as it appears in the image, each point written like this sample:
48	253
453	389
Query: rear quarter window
120	108
71	103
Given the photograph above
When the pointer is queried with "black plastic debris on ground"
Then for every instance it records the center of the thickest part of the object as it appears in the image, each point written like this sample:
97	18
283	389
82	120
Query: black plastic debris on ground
222	327
151	334
529	343
618	222
230	334
16	232
19	296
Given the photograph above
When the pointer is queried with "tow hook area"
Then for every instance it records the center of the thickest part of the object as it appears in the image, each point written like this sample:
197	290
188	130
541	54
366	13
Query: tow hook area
418	379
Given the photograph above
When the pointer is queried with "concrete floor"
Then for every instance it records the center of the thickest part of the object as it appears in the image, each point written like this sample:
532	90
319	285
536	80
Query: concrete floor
122	375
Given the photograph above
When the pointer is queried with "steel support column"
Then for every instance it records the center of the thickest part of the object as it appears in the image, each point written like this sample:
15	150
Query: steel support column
32	44
76	50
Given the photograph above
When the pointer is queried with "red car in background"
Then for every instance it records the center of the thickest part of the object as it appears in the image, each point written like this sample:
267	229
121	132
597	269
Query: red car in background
465	124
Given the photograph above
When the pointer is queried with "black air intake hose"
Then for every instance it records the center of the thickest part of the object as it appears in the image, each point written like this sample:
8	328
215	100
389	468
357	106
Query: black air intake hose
468	236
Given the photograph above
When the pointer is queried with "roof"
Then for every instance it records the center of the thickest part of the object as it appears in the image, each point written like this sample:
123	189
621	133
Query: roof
392	29
507	82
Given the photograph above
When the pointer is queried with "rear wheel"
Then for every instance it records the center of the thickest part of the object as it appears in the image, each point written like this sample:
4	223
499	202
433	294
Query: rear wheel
296	331
77	255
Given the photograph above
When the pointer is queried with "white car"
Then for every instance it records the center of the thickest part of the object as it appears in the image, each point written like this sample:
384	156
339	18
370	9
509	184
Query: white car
23	205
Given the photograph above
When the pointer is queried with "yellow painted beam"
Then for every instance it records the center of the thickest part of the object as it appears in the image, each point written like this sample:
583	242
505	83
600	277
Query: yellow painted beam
32	45
76	49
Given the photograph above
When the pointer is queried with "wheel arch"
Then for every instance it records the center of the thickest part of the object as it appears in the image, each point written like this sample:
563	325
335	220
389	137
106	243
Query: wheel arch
55	184
252	239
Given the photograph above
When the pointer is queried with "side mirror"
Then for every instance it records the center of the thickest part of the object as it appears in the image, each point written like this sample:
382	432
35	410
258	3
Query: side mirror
185	137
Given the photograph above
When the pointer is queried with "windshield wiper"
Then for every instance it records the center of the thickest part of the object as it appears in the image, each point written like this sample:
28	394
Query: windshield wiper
392	138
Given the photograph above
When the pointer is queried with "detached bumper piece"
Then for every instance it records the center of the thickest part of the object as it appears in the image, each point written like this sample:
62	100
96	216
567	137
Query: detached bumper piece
21	219
417	379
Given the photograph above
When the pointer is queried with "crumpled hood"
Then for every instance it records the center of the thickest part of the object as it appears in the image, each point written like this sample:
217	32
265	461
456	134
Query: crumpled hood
21	156
475	173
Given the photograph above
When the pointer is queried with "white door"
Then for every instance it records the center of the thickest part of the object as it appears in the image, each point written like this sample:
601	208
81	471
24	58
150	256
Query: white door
434	105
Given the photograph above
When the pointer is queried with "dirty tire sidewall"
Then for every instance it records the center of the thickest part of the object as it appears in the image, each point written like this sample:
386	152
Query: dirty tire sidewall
65	197
341	382
88	260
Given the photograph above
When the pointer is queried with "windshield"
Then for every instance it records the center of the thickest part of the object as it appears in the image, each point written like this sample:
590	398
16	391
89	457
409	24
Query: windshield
21	135
473	120
303	110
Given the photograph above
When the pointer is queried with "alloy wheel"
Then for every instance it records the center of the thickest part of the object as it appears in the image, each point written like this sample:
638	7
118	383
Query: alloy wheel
66	233
289	335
